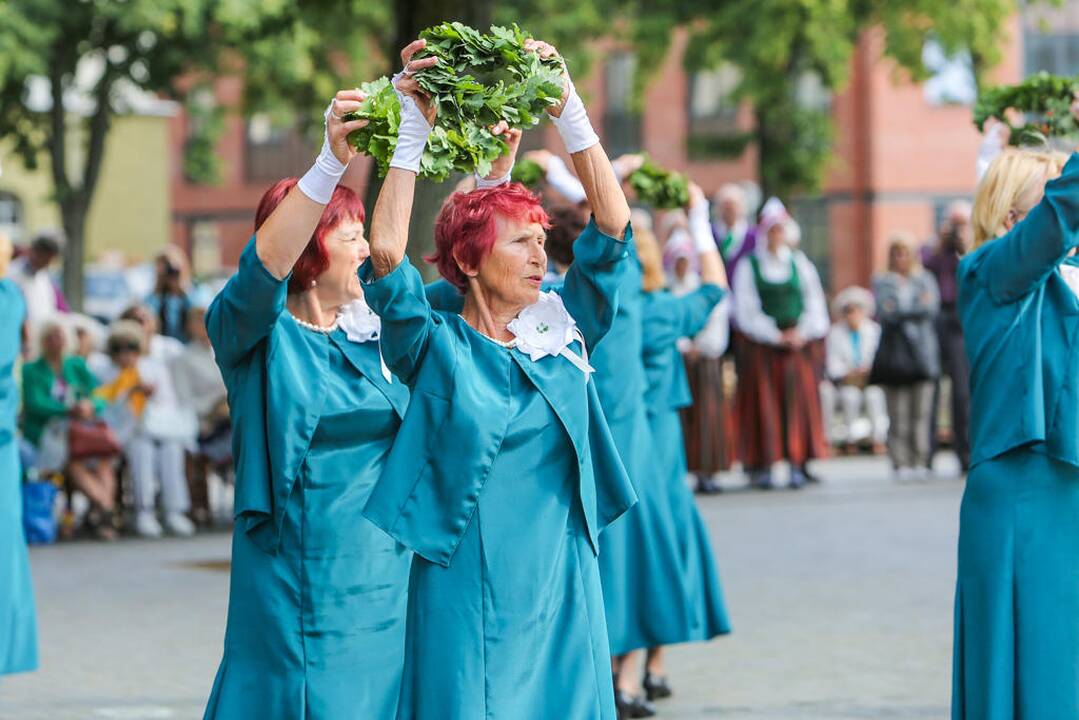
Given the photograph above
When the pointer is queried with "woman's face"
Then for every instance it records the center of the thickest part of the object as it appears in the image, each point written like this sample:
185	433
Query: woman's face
126	358
902	259
513	271
777	236
347	248
52	345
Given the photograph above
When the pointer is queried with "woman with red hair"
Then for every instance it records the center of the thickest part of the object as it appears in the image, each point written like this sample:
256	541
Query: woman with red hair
318	594
503	473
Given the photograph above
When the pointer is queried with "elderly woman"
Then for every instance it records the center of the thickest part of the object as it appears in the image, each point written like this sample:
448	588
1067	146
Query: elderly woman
18	641
907	305
1017	597
58	389
317	601
666	318
503	473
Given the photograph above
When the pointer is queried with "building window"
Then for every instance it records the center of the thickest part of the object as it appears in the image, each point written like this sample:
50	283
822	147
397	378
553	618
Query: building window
622	120
274	149
11	216
1057	53
811	214
951	77
713	114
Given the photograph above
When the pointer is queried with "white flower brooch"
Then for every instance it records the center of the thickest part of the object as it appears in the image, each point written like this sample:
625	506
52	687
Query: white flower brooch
361	325
546	328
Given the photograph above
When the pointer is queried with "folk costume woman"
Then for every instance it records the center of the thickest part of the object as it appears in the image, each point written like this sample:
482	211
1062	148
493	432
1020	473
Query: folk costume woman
18	620
317	600
503	473
1017	598
780	311
666	318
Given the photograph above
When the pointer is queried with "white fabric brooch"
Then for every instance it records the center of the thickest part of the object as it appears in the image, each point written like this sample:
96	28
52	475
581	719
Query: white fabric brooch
546	328
361	325
1071	277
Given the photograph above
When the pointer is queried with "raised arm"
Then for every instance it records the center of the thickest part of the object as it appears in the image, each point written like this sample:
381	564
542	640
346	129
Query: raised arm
713	271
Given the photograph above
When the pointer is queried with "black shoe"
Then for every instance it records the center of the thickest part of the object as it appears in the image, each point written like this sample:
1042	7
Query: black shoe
761	480
798	479
706	485
656	687
632	706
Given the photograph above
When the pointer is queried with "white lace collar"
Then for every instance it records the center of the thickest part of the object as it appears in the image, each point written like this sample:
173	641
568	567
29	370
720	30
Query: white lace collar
361	325
546	328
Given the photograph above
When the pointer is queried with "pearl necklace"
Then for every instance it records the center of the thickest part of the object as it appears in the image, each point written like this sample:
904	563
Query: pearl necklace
325	330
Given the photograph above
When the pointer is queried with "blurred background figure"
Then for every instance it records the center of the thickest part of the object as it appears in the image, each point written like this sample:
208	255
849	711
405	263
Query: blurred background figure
170	299
942	263
781	315
855	412
907	306
31	273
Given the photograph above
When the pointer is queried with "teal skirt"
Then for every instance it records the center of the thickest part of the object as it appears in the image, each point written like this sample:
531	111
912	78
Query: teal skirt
18	621
1017	596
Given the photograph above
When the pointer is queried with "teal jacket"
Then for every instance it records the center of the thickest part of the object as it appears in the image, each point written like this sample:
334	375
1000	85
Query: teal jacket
1021	327
12	316
620	377
666	318
460	393
39	405
275	396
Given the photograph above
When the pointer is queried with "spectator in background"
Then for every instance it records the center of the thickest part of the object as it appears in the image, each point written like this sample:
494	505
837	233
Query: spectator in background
907	307
153	429
58	388
734	236
169	301
942	263
852	345
780	313
31	273
160	347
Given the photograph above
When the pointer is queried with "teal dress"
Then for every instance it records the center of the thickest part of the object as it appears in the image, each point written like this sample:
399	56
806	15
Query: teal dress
316	621
1017	598
501	478
639	553
667	318
18	621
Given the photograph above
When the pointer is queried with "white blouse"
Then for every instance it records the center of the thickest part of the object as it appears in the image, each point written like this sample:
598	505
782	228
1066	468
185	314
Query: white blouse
749	316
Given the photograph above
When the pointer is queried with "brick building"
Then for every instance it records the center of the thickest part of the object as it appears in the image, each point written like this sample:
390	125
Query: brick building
903	151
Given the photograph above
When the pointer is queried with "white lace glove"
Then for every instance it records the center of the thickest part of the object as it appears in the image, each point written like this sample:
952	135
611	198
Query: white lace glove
561	179
700	229
320	181
411	134
573	124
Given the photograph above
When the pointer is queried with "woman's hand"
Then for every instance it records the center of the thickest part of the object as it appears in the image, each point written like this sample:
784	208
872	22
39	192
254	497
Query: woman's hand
337	129
82	410
503	166
547	50
696	196
406	84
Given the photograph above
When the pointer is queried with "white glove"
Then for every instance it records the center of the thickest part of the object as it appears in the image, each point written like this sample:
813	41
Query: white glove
700	229
573	124
320	181
411	134
561	179
484	183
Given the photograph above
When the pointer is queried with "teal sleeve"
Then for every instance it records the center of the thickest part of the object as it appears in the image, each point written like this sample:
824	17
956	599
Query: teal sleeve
1022	260
590	290
399	299
667	318
245	311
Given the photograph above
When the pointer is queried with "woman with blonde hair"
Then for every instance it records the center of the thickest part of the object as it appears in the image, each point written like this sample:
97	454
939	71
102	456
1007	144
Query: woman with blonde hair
18	641
1017	596
908	356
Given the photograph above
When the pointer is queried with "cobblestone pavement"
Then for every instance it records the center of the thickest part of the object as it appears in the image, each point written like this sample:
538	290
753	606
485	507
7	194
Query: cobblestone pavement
840	596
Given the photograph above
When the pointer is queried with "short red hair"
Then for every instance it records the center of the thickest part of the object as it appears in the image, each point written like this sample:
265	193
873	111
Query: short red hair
314	260
465	227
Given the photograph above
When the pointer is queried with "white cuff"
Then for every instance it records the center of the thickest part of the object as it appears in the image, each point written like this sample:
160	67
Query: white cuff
573	124
320	181
484	183
700	229
563	181
411	133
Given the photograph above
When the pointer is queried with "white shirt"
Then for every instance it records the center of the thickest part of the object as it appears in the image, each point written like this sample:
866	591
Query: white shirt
714	337
840	360
198	380
749	316
38	291
737	233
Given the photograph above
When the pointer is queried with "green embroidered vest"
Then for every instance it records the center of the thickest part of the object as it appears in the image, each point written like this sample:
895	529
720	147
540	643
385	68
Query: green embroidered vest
780	301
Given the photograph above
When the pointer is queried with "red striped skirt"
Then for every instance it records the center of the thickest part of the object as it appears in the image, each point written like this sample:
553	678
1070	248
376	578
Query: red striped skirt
707	424
778	404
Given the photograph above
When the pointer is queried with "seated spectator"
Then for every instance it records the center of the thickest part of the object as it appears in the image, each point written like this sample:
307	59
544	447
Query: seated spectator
852	344
58	389
153	429
201	389
160	347
90	343
169	301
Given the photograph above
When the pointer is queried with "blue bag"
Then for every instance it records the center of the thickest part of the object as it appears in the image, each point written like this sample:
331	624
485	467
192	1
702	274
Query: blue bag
38	518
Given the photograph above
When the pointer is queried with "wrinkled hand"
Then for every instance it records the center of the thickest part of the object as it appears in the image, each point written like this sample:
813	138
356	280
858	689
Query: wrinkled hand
547	50
502	167
406	84
337	129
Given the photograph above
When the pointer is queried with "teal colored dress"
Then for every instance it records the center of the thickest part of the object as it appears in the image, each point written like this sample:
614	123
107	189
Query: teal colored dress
18	621
639	553
1017	597
316	622
667	318
501	478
